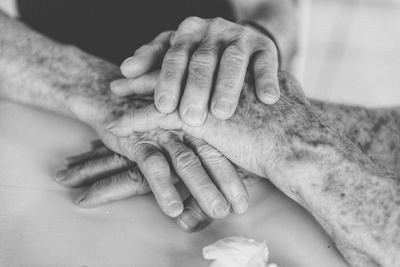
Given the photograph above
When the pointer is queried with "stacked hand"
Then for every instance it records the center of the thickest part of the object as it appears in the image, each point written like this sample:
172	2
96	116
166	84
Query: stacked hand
208	175
201	57
259	138
203	64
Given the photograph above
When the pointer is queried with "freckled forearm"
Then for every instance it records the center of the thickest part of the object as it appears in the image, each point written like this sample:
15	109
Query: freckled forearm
375	131
354	198
36	71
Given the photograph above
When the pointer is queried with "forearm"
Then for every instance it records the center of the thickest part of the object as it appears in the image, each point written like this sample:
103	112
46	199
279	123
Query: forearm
375	131
37	71
277	16
355	200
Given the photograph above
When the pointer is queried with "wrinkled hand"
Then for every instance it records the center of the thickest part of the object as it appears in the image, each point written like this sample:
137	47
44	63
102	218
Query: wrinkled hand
263	139
213	182
204	63
100	168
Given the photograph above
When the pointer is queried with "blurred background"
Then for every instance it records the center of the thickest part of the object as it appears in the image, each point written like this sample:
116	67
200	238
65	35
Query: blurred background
351	50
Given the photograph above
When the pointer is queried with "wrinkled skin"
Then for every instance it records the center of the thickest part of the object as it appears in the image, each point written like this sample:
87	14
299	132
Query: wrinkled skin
353	198
203	63
215	191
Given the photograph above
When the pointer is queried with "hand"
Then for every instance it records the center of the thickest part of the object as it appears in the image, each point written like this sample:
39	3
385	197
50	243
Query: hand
100	168
204	61
262	139
202	176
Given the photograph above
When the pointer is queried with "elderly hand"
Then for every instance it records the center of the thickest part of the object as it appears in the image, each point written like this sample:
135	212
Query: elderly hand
203	64
100	168
257	138
209	176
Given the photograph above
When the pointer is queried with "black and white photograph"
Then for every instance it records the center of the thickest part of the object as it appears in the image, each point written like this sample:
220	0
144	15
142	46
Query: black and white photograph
201	133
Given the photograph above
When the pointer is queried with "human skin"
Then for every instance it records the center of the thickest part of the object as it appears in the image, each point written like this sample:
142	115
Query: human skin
202	59
375	131
203	63
63	79
59	78
354	198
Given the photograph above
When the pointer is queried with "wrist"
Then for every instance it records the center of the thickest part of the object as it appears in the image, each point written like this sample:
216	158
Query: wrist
306	151
87	93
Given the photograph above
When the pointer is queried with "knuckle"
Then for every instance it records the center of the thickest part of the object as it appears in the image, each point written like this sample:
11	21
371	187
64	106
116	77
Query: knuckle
219	25
246	34
264	71
205	53
268	44
207	151
186	159
236	54
191	21
176	54
201	65
218	21
135	179
207	190
100	188
153	163
136	176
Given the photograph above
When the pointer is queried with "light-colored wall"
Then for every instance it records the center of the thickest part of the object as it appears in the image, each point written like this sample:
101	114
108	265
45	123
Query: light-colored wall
354	52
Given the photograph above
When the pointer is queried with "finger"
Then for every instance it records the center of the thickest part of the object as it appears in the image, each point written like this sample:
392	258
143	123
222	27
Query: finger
188	167
92	170
147	57
230	80
81	158
194	104
223	174
265	71
144	84
155	168
144	119
192	219
119	186
174	65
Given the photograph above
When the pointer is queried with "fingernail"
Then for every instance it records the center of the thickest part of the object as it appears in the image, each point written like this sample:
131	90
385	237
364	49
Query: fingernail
60	175
220	208
271	96
194	116
80	198
115	84
223	107
174	209
187	222
166	103
240	204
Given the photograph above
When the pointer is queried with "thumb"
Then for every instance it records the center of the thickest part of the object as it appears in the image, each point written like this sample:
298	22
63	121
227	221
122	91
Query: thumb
144	119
